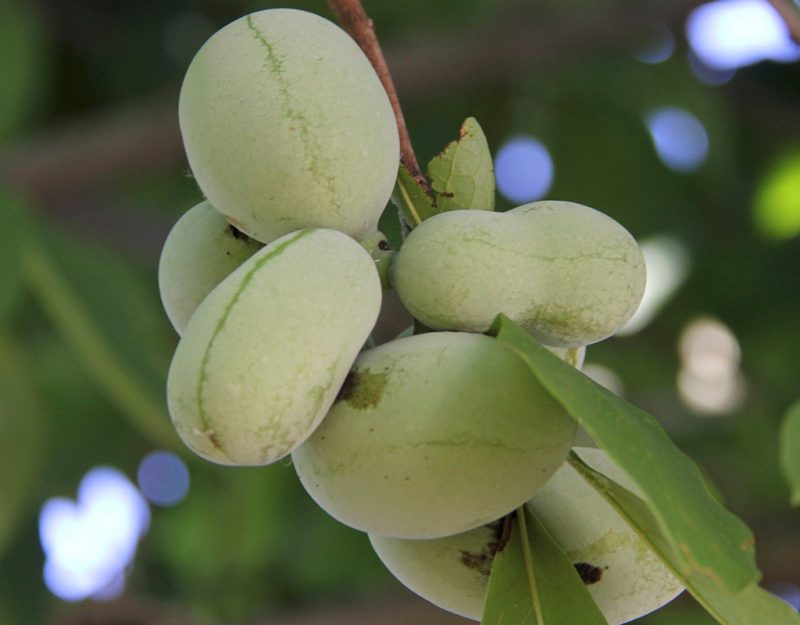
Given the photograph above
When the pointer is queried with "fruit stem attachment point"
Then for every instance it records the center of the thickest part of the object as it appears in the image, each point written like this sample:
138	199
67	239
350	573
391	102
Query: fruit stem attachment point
353	18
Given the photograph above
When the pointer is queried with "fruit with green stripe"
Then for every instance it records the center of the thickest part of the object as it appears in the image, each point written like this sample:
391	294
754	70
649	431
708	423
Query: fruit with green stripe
200	251
286	125
433	435
265	354
565	272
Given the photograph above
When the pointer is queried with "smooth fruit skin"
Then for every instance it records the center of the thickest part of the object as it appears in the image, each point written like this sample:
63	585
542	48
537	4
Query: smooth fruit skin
633	580
266	352
451	572
624	576
200	251
433	435
565	272
286	125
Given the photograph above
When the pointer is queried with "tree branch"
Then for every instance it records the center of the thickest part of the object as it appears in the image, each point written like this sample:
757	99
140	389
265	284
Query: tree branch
352	17
790	16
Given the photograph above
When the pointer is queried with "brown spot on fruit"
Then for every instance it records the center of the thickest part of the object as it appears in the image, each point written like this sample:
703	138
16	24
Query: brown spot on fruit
589	573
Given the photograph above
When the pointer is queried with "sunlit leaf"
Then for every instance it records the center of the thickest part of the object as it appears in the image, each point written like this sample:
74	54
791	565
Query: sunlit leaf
463	174
534	583
746	606
777	203
707	540
790	451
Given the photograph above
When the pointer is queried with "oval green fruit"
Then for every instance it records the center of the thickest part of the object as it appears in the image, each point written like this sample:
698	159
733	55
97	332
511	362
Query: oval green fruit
266	352
624	576
433	435
567	273
286	125
200	251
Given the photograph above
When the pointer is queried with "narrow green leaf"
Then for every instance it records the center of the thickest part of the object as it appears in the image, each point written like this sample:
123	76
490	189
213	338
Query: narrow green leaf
112	370
14	236
21	438
790	451
413	201
749	605
706	539
534	583
463	174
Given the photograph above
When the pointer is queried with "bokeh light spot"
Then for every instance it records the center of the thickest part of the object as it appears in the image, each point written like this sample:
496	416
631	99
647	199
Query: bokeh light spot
667	261
727	34
523	169
163	478
88	543
659	47
777	205
680	138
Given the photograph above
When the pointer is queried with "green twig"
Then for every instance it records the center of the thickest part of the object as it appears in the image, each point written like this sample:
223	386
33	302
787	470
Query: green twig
143	410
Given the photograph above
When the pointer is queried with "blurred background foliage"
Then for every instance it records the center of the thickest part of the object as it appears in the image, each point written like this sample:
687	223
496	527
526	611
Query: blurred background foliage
92	176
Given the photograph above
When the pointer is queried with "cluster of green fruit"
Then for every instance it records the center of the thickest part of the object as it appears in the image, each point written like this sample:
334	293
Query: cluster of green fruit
275	284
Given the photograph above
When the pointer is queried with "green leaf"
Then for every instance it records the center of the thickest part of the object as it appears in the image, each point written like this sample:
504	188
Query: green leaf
21	438
534	583
14	236
463	174
790	451
746	606
412	199
707	540
112	324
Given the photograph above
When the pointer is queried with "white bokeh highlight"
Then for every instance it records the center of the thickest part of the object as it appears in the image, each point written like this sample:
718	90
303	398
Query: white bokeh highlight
523	169
668	262
728	34
89	542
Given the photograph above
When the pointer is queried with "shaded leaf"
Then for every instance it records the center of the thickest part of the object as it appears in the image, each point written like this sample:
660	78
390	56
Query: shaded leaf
111	323
463	174
790	451
534	583
707	540
749	605
14	236
411	198
21	438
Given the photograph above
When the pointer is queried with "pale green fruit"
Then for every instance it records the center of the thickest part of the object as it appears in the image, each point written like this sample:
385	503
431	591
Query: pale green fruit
200	251
631	579
624	576
266	352
567	273
433	435
286	125
451	572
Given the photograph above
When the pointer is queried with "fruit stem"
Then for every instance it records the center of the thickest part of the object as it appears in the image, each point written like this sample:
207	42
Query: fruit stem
353	18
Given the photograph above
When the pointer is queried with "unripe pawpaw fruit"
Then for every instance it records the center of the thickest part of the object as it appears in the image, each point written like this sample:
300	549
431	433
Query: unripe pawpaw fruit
624	576
286	126
200	251
432	435
565	272
265	354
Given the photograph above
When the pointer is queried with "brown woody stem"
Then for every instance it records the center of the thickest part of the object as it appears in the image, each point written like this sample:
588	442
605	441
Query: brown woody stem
352	17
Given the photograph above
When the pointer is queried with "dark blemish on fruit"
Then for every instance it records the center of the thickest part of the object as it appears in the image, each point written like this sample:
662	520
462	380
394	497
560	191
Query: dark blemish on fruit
237	234
384	245
589	573
481	562
363	389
